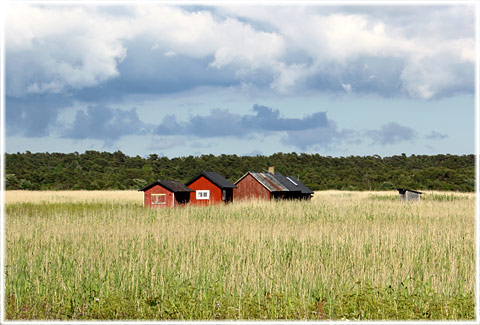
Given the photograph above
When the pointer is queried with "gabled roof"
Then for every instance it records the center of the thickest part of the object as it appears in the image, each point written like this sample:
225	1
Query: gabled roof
172	186
268	180
215	178
278	182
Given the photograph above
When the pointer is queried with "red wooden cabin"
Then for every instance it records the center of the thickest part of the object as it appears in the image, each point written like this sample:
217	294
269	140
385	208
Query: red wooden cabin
210	188
270	185
250	186
165	193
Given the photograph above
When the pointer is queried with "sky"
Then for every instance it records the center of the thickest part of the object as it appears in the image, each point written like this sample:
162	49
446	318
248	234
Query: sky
179	80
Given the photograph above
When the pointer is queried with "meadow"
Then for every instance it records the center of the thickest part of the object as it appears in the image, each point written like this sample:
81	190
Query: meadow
344	255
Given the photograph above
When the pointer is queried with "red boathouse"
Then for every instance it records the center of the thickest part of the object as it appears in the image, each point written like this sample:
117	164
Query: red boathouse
165	193
270	185
210	188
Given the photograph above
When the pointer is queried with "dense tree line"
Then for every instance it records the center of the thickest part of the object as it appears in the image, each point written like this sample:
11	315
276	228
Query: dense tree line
94	170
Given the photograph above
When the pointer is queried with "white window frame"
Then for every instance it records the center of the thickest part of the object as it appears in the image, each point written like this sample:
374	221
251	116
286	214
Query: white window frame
202	194
159	195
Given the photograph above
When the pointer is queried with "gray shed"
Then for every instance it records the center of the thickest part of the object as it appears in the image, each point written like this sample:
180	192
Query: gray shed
409	195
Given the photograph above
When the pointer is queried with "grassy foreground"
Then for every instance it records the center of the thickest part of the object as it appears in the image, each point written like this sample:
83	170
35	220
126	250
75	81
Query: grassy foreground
344	255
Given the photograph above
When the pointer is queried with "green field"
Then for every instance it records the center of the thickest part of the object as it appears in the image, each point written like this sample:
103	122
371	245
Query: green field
343	255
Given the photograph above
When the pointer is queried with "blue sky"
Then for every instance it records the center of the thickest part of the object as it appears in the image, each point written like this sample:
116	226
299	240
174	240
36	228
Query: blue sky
245	80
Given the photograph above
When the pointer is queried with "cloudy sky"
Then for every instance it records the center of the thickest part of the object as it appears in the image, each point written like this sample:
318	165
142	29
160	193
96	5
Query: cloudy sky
246	80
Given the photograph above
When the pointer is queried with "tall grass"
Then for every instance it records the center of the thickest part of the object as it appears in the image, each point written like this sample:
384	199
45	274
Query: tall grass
340	256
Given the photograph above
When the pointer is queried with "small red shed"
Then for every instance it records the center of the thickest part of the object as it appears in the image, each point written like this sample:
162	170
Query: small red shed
259	186
165	193
210	188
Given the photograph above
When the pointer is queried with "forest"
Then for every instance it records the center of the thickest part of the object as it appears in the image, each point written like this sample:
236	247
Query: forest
93	170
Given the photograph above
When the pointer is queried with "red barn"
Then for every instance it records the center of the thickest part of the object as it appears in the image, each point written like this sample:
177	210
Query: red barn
165	193
210	188
268	185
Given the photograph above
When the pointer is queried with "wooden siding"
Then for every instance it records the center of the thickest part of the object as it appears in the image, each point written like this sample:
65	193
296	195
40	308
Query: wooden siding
157	189
204	184
171	199
249	188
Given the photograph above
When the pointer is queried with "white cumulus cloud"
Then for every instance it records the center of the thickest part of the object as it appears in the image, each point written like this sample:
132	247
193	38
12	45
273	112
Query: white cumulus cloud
434	43
54	49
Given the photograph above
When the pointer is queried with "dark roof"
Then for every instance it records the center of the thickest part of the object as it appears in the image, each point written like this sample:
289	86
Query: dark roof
279	183
172	186
299	186
287	183
403	190
215	178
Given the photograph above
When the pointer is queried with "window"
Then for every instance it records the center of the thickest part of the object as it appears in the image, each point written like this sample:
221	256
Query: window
159	198
224	195
203	195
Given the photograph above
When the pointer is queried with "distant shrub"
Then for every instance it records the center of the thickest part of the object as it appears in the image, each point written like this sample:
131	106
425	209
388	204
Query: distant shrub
139	183
387	186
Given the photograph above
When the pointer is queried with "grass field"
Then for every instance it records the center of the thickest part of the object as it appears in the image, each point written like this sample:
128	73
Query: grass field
344	255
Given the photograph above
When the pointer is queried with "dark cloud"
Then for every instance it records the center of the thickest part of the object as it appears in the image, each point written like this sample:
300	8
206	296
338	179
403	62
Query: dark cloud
147	69
387	77
314	130
170	126
269	119
434	135
365	75
19	78
379	75
221	122
104	123
33	116
391	133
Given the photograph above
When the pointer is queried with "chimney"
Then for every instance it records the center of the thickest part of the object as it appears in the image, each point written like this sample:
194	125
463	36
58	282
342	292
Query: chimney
271	170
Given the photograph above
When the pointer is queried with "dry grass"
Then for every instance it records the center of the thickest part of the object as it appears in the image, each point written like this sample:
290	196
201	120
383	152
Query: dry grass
355	255
72	196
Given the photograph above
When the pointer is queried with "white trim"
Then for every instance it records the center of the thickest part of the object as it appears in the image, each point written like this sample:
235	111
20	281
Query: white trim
199	194
242	178
292	181
159	195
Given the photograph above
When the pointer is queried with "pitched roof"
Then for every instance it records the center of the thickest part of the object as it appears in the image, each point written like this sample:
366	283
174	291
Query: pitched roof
299	185
279	183
268	180
172	186
287	183
215	178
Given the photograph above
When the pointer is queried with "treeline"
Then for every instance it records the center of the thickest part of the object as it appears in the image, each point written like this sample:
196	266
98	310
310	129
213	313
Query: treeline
94	170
